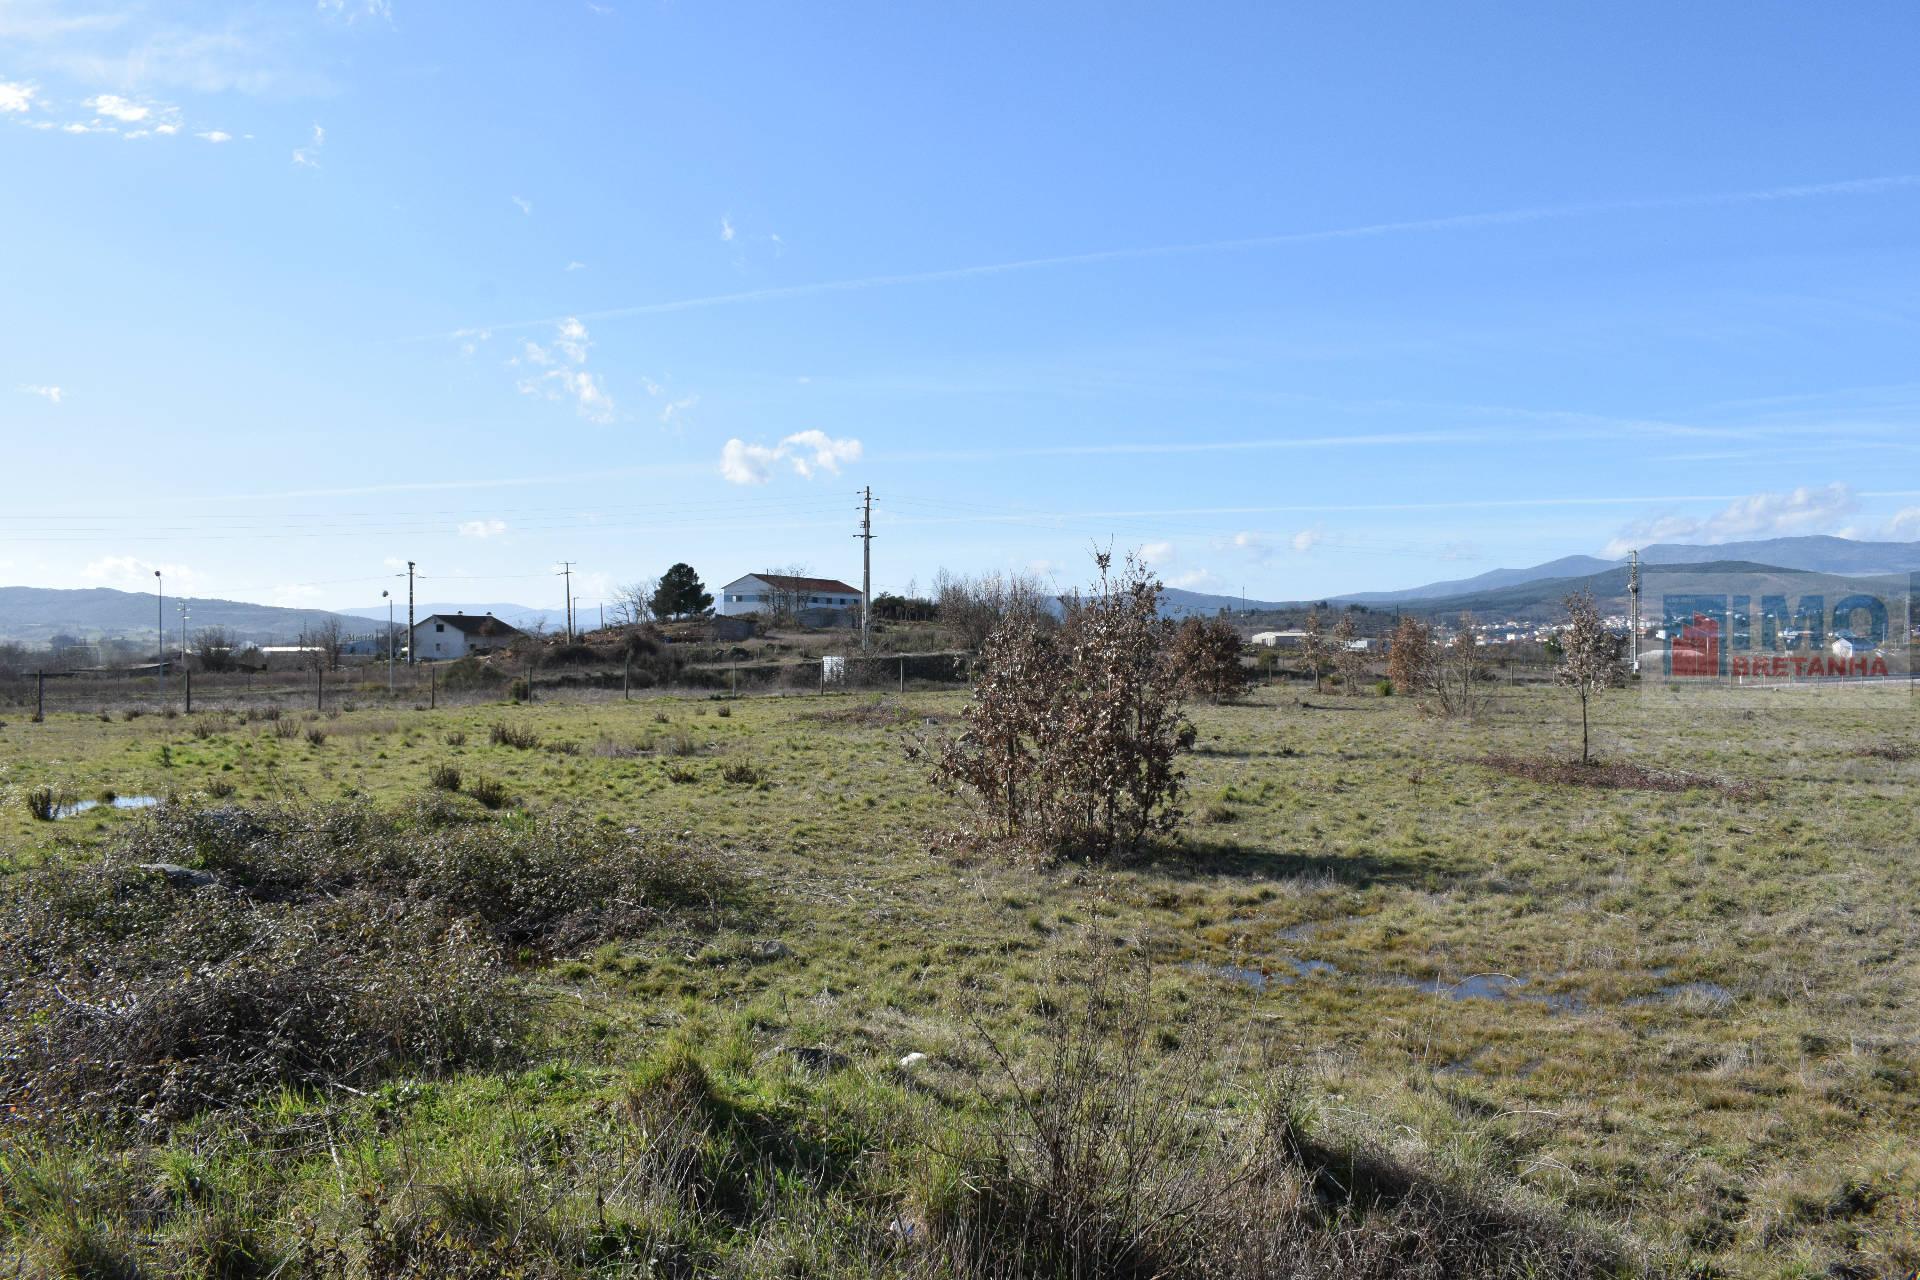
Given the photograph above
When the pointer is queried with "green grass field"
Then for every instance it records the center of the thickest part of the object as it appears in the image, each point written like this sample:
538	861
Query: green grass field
1688	1019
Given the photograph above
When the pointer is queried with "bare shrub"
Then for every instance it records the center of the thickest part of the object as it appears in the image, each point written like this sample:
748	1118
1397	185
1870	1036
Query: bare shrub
444	777
454	738
1111	1161
286	730
1459	685
741	774
1070	741
1206	652
1412	660
316	736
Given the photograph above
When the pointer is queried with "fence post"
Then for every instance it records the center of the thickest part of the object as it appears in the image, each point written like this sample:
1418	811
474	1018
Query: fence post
39	696
188	673
903	673
626	679
319	688
433	688
529	681
733	678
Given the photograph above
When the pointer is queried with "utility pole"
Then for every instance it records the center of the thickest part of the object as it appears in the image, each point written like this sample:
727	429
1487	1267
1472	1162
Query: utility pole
566	571
160	630
388	597
409	613
866	566
1633	605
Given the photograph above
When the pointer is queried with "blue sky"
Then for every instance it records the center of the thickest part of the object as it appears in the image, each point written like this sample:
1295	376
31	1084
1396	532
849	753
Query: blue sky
1299	299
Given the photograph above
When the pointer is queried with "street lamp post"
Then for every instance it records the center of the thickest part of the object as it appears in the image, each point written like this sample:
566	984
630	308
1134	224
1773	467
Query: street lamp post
184	615
388	597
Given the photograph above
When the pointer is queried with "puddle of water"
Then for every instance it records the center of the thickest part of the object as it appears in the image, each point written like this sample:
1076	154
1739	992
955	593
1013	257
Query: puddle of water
1479	986
1261	979
1487	986
118	802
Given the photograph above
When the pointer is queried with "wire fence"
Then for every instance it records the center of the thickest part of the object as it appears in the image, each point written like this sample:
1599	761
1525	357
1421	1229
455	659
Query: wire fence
427	686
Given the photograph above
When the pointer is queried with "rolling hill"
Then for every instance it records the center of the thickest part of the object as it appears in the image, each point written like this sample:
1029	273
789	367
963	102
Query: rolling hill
33	615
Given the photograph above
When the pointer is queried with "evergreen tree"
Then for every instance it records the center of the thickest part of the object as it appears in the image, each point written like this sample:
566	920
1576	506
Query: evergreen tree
680	594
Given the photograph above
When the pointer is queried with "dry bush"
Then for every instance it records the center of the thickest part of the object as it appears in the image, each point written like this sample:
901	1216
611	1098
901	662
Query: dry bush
1071	738
1207	654
1113	1161
1412	660
491	793
286	730
41	804
976	606
316	736
444	777
217	954
1349	660
1888	751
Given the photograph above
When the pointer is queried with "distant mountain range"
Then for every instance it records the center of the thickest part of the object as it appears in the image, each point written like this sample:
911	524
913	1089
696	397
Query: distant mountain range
1814	553
34	615
1543	587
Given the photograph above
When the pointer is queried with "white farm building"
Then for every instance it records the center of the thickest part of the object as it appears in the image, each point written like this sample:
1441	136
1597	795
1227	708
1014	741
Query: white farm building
446	636
771	593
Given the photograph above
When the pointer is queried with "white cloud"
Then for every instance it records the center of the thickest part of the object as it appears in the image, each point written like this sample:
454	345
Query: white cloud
16	97
1761	515
470	339
1157	553
726	227
354	10
1254	544
482	528
1905	525
126	573
576	266
52	395
805	451
1190	580
564	377
525	205
671	412
215	135
118	108
307	157
1306	540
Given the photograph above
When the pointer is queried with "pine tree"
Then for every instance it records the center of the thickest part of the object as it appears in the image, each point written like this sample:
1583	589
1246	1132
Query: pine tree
680	594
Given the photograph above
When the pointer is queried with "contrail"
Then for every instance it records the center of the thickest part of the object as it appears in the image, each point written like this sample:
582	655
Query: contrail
1456	222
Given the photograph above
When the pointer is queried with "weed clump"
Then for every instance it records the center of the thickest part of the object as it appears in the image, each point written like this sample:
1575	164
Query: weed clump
41	804
444	777
507	735
216	955
490	792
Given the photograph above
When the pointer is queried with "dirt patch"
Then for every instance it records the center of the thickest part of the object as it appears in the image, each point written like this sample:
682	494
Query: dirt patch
1618	776
1889	751
871	715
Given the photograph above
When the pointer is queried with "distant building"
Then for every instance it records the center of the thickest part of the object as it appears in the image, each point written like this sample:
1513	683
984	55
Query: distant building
446	636
1278	639
817	602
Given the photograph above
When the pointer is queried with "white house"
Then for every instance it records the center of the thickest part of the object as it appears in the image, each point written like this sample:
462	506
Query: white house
446	636
785	593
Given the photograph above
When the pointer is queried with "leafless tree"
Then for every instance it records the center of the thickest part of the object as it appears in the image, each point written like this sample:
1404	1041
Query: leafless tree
975	606
324	639
633	603
1591	660
1461	672
1315	647
1350	655
214	647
